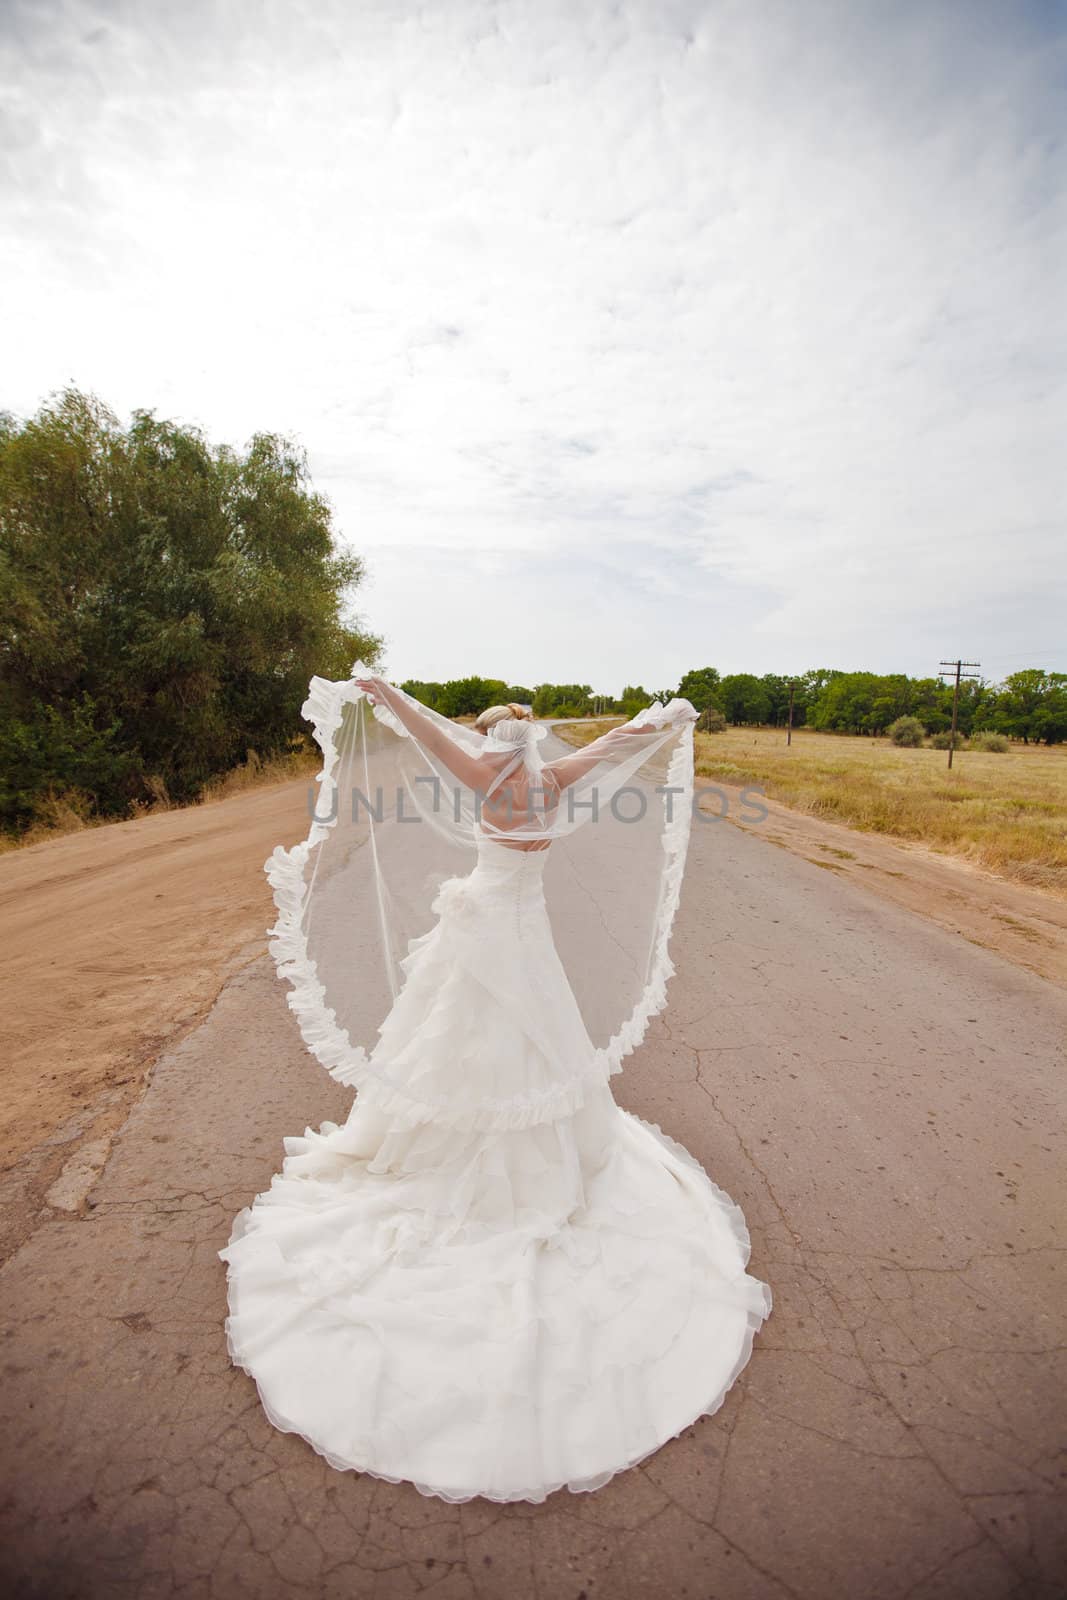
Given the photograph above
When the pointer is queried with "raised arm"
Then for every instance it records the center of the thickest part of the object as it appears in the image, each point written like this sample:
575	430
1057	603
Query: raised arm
568	769
460	763
654	721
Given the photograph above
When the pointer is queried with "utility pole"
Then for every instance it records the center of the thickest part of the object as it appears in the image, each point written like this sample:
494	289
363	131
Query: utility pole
962	670
789	724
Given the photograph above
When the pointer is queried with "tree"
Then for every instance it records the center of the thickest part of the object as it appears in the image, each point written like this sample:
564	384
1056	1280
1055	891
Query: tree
163	603
888	698
1050	720
1032	705
701	688
470	696
562	699
744	698
814	681
634	699
930	699
777	689
848	703
427	694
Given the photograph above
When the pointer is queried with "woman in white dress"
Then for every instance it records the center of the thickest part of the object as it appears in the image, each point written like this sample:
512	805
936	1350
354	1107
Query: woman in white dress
491	1280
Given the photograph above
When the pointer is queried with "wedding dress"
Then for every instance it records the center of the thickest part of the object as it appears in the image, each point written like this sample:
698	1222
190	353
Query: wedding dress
490	1280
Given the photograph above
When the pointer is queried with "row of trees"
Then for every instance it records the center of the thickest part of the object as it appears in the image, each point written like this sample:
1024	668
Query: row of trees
468	696
163	604
1030	705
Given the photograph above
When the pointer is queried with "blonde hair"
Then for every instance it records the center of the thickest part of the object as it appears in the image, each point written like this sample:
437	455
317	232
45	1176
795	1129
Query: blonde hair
494	714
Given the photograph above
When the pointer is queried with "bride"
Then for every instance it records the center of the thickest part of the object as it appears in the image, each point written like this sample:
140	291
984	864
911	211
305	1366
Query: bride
490	1279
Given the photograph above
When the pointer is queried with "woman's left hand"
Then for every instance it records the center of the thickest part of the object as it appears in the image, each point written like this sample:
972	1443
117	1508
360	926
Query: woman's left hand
373	687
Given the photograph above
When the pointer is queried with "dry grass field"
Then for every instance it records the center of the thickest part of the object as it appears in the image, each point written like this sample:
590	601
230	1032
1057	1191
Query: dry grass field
1006	813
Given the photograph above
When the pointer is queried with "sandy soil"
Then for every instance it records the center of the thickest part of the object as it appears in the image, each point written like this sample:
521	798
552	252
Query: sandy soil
116	942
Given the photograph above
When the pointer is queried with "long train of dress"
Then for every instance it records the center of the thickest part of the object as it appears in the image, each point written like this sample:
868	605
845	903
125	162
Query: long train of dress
478	1302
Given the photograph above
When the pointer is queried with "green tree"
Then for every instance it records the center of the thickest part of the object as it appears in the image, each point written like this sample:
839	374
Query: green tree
777	688
744	699
427	694
162	602
846	704
562	699
814	681
1032	705
701	688
634	699
465	697
887	697
1050	722
930	700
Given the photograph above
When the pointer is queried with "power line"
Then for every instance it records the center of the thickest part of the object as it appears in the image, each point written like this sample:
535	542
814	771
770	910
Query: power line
1033	657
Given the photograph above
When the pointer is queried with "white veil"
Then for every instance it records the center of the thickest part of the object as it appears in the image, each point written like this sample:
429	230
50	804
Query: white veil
403	796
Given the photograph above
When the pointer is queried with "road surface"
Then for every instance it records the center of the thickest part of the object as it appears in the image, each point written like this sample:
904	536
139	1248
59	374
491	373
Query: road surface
883	1099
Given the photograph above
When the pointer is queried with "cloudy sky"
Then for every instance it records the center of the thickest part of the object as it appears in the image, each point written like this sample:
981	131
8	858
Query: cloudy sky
624	336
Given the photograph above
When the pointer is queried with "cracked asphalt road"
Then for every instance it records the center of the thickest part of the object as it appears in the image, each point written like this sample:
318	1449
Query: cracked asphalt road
886	1103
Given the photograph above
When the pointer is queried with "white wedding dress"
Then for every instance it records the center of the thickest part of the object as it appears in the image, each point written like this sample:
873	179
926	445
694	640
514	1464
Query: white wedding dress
487	1310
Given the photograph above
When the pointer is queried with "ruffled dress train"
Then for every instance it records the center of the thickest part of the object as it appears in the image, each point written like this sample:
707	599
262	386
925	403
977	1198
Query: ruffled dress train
491	1280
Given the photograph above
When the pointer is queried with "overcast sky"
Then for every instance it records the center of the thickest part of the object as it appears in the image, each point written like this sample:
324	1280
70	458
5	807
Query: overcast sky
623	337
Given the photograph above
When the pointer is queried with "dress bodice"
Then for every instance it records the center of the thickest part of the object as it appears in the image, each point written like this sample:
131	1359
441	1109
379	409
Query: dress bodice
504	876
505	859
492	848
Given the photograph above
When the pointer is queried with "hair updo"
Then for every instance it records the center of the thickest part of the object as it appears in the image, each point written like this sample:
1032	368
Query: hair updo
493	714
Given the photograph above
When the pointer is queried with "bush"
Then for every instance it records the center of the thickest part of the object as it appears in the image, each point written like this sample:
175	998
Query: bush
711	720
946	740
52	753
906	731
991	743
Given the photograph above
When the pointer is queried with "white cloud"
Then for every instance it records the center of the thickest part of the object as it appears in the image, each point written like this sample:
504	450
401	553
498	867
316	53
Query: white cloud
649	334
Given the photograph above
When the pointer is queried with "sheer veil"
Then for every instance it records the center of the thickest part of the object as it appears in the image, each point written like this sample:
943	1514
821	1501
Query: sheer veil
407	801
